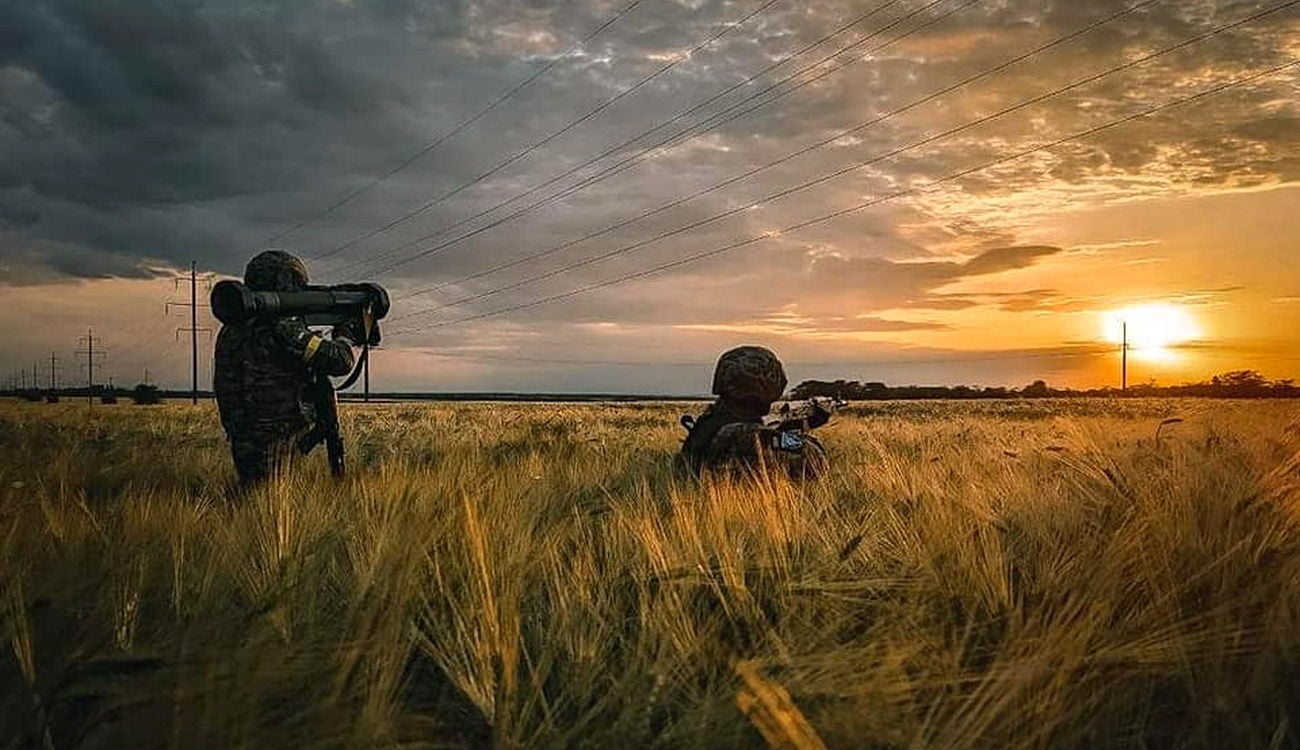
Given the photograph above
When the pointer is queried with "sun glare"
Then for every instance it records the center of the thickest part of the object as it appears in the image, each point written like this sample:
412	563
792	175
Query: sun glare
1153	330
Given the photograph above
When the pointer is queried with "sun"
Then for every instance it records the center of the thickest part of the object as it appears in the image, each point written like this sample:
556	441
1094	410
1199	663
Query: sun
1153	330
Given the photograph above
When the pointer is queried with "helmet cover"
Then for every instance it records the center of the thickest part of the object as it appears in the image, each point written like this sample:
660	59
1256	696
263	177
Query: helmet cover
275	271
749	373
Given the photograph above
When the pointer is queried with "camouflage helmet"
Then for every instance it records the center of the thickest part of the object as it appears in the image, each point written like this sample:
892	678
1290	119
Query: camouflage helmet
275	271
749	373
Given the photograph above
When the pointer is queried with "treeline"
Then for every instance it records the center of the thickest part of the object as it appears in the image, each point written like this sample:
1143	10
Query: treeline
141	394
1239	384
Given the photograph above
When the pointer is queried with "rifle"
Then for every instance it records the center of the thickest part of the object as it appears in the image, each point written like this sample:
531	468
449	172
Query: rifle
802	416
326	428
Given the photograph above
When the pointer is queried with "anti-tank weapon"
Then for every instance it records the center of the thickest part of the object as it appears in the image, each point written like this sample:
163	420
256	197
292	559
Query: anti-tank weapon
234	303
359	306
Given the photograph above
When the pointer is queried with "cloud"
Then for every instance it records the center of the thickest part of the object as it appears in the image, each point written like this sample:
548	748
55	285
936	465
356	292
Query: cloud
139	135
118	123
1002	259
881	284
824	326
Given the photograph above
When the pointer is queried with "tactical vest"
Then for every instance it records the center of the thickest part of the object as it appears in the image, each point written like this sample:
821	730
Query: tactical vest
256	383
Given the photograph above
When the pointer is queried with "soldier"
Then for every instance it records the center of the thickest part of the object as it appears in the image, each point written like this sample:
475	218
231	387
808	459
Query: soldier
731	433
262	368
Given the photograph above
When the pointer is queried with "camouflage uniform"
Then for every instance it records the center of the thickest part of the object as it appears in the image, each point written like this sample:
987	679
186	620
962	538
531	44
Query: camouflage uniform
263	368
731	432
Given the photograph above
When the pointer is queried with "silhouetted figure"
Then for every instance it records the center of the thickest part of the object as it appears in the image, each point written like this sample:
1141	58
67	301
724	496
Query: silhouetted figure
263	368
734	432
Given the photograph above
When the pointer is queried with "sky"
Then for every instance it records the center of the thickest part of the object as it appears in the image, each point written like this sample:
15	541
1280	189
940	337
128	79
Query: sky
914	227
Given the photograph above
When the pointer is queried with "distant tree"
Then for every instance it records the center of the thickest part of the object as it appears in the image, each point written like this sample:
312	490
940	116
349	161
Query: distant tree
1238	384
1240	380
1037	389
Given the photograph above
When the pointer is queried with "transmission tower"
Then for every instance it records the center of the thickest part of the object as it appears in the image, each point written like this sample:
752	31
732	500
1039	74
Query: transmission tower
54	372
90	340
193	329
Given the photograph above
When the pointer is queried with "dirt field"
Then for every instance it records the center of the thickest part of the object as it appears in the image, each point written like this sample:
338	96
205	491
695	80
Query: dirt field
1020	574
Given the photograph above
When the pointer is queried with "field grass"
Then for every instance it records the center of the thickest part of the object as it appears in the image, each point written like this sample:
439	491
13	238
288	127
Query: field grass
1003	575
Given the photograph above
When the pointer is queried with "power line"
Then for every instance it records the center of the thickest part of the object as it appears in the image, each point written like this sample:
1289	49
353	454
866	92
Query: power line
965	359
147	339
457	130
726	29
676	118
864	163
143	342
792	155
681	136
862	206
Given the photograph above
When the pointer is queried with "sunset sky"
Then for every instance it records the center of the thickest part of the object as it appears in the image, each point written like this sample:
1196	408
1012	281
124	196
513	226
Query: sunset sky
137	136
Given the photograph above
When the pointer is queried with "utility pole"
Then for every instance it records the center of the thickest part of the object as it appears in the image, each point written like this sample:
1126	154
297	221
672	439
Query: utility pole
1124	360
366	379
194	333
194	329
23	374
90	365
35	378
54	372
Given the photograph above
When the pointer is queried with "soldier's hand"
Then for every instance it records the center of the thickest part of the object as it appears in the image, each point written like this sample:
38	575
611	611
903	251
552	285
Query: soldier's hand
352	330
821	414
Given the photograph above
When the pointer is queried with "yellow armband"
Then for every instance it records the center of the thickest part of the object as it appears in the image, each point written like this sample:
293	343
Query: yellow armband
309	350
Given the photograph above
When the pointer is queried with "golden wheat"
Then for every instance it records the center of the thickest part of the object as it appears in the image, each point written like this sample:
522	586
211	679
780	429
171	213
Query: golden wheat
1018	574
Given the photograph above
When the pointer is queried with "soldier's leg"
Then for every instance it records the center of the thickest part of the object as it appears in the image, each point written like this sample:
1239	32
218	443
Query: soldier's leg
252	461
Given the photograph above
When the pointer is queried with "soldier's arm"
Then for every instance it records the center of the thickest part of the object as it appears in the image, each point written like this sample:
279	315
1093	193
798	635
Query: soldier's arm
740	441
332	357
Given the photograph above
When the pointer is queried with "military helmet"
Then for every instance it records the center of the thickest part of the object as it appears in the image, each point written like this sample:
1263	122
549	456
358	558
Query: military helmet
749	373
275	271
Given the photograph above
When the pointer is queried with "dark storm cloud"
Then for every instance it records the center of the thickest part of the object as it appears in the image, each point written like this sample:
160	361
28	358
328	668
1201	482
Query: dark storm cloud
140	133
114	114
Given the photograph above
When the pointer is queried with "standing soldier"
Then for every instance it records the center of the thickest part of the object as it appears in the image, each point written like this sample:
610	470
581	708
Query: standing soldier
732	433
262	369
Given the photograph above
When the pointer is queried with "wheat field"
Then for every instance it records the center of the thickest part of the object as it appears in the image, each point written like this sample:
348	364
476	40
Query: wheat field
1021	574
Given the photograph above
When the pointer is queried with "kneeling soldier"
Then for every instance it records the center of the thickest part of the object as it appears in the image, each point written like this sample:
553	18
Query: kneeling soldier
733	432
